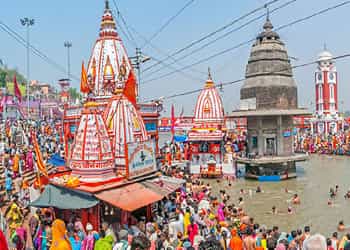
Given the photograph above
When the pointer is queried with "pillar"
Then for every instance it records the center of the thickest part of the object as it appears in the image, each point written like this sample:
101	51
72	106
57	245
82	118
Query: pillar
260	137
279	135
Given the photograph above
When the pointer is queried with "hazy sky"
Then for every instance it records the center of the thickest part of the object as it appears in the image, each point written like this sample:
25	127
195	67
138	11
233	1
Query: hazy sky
78	21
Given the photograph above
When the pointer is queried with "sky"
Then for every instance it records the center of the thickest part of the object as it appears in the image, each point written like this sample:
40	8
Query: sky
78	21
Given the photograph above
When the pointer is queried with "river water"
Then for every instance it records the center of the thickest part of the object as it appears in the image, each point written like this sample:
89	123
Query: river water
315	177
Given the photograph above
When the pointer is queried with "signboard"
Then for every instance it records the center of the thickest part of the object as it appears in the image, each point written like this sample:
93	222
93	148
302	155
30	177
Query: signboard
151	127
142	159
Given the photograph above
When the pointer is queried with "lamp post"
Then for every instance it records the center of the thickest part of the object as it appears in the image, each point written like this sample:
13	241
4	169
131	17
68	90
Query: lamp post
68	45
27	22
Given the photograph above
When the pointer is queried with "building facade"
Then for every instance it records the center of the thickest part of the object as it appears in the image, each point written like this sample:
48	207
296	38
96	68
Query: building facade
326	118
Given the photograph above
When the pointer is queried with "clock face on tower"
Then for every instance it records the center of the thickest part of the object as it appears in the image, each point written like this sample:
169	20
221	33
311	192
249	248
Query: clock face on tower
331	77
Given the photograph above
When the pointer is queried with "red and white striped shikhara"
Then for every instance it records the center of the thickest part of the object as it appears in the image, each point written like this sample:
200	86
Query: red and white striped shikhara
91	155
109	62
124	125
208	115
209	107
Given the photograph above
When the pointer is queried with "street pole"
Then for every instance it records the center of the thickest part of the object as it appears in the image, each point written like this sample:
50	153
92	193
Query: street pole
137	60
27	22
68	45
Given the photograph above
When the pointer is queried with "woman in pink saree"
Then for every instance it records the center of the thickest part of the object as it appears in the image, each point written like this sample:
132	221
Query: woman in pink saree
29	160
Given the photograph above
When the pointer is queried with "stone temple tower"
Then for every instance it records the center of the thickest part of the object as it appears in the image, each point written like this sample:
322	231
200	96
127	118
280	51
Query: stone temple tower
269	101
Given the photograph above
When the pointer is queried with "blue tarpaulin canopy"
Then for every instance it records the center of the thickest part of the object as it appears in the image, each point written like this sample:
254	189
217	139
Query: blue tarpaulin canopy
64	198
180	138
56	160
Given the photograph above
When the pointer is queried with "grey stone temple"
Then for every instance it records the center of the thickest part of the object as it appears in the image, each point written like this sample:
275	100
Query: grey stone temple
269	101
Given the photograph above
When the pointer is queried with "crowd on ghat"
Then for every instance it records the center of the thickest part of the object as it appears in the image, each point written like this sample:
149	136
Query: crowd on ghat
336	144
194	217
18	154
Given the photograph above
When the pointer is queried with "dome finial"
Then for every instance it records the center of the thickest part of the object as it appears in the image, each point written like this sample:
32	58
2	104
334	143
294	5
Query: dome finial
209	74
267	12
325	47
268	25
106	5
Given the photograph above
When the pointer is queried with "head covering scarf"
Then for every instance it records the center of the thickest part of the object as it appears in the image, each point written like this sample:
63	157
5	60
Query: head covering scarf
59	239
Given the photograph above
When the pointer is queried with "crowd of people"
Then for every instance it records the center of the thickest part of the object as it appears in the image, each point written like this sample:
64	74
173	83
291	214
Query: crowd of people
194	217
336	144
18	154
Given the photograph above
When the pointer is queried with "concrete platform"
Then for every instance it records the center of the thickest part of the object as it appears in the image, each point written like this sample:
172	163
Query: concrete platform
273	159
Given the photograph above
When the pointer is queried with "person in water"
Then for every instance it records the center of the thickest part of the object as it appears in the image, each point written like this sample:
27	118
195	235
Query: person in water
332	193
347	195
274	210
341	226
296	199
240	201
330	203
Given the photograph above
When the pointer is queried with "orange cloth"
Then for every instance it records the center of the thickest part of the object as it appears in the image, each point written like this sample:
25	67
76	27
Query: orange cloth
16	163
59	238
236	242
39	161
84	88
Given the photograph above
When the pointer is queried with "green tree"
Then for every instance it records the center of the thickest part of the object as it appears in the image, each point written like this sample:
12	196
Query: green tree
74	94
3	75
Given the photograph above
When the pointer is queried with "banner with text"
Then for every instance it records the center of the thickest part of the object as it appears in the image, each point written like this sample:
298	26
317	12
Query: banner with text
142	158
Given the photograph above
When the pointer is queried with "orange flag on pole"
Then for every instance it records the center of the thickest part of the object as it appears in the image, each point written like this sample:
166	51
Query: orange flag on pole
84	88
130	88
39	158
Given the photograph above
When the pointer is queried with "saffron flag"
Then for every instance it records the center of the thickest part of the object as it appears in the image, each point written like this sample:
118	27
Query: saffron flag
16	89
39	158
130	88
84	88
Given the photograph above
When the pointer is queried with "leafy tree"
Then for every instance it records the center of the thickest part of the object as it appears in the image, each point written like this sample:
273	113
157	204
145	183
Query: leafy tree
74	94
3	75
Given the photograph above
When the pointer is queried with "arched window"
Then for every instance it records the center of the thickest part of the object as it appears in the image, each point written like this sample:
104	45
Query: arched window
320	92
331	91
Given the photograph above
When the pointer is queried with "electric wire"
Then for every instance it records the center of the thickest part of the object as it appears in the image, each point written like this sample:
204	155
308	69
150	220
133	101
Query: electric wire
119	14
251	40
215	32
221	85
34	50
167	23
225	35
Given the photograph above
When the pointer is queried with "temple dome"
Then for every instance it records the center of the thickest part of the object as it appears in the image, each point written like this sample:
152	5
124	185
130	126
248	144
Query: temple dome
209	107
325	56
125	125
108	55
269	79
91	155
